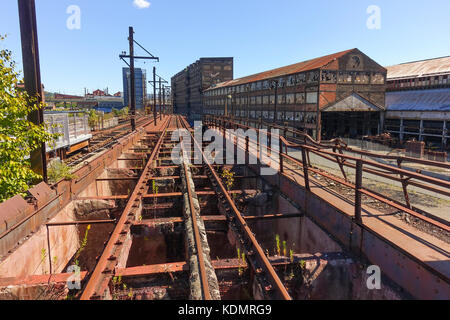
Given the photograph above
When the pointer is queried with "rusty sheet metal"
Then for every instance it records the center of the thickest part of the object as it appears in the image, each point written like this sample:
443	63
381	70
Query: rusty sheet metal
12	211
416	69
42	193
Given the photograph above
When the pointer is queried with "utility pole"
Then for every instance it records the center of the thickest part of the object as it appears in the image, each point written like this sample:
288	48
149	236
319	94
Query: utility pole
164	99
132	80
32	76
275	83
167	99
160	81
160	108
132	57
155	115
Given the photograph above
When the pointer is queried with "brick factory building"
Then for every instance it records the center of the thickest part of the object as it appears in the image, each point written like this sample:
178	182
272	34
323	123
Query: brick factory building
418	102
342	94
189	84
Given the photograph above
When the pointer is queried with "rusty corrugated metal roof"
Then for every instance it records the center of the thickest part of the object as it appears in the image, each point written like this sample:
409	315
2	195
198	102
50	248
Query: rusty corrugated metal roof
416	69
419	100
279	72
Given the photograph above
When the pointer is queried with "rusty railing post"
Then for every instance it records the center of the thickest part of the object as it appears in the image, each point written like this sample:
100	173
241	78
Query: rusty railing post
305	169
358	186
280	152
247	150
404	185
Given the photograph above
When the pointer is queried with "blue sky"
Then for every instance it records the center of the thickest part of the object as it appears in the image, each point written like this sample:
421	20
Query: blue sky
259	34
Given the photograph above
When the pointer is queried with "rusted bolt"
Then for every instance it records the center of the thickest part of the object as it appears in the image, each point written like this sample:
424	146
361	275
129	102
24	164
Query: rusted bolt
268	288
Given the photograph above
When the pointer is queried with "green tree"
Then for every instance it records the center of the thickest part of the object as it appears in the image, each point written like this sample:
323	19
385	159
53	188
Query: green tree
124	111
116	112
18	136
93	118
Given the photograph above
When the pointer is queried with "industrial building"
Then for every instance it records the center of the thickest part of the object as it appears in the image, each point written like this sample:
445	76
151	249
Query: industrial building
418	102
188	85
341	94
140	87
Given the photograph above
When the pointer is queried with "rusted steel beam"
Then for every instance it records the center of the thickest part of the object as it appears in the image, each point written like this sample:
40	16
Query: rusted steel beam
222	264
71	223
358	187
274	216
165	178
36	280
99	279
305	170
199	177
217	218
119	197
117	179
199	193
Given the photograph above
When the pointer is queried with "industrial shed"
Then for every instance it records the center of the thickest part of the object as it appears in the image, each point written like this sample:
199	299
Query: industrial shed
418	102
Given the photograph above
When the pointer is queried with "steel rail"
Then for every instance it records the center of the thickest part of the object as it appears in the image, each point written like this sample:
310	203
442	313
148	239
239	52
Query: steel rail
98	280
122	129
273	278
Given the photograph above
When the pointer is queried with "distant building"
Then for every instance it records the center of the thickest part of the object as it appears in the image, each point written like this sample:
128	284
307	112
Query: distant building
140	87
338	95
108	105
418	102
118	94
58	96
188	85
99	93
